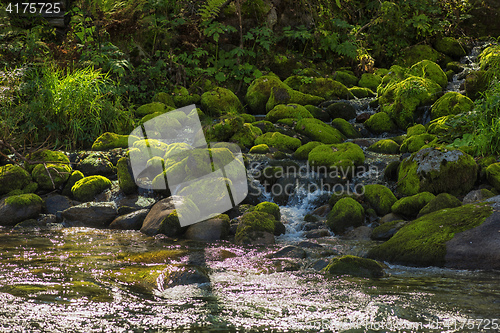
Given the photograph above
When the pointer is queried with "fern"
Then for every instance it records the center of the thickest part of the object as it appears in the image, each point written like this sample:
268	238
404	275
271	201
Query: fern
210	9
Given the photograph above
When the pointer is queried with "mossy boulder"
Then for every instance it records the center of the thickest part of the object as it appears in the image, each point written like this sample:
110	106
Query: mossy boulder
341	110
279	141
47	156
379	123
246	136
13	177
110	140
264	125
493	175
347	78
224	129
440	201
326	88
220	101
490	58
380	198
270	208
282	111
439	125
73	178
437	171
370	81
286	95
18	208
255	227
96	164
259	91
415	130
429	70
422	242
182	97
355	266
303	151
88	187
400	100
416	142
411	206
342	158
360	92
163	97
51	176
476	83
418	53
346	213
450	46
387	229
385	146
451	103
318	113
319	131
346	128
259	149
125	178
150	108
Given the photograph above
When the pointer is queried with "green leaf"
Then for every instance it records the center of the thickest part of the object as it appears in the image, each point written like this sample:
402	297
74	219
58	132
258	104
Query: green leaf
220	77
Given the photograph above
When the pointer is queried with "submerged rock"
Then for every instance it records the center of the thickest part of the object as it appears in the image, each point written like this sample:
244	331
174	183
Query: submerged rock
355	266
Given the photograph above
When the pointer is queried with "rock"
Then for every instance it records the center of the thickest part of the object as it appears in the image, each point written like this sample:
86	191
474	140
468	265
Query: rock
130	221
125	178
380	198
56	204
414	143
450	46
286	95
476	83
182	97
493	175
346	77
385	146
88	187
303	151
282	111
359	92
319	131
317	233
259	91
441	201
420	52
346	213
379	123
429	70
270	208
150	108
163	218
210	230
289	251
246	136
342	158
369	80
265	126
256	228
259	149
386	230
359	233
411	206
52	177
17	208
318	113
324	87
110	140
355	266
437	171
279	228
310	245
346	128
13	177
361	118
220	101
183	275
90	214
164	98
391	171
320	264
223	130
423	241
477	195
322	211
279	141
73	178
451	103
48	156
96	164
341	110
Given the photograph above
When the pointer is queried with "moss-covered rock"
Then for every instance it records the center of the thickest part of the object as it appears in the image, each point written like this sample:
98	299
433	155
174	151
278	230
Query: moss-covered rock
270	208
326	88
429	70
440	201
451	103
422	242
346	213
415	130
182	97
380	198
96	164
355	266
246	136
163	97
224	129
347	78
493	175
88	187
360	92
439	125
318	113
110	140
415	142
255	228
379	123
450	46
282	111
73	178
259	149
418	53
400	100
370	81
410	206
342	157
341	110
346	128
259	91
386	230
220	101
319	131
17	208
279	141
146	149
13	177
476	83
490	58
52	177
437	171
385	146
303	151
47	156
264	125
150	108
287	95
125	178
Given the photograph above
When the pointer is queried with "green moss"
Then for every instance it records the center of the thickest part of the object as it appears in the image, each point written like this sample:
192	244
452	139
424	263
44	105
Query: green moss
370	81
182	97
380	198
88	187
259	149
248	118
416	142
56	176
13	177
319	131
303	151
23	200
282	111
287	121
164	98
270	208
385	146
359	92
30	188
450	46
111	140
265	126
73	178
318	113
252	224
346	128
279	141
493	175
429	70
490	58
477	82
415	130
259	91
220	101
147	149
346	78
418	53
451	103
346	213
438	126
379	123
343	157
441	201
154	107
286	95
156	257
410	206
423	242
246	136
225	128
324	87
46	155
125	179
355	266
381	72
386	230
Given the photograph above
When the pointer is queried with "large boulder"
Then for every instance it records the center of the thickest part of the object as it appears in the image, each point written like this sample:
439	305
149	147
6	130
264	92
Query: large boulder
90	214
210	230
319	131
342	157
380	198
379	123
17	208
51	176
411	206
88	187
326	88
282	111
437	171
355	266
287	95
13	177
440	201
385	146
256	228
430	70
220	101
96	164
450	46
130	221
346	213
451	103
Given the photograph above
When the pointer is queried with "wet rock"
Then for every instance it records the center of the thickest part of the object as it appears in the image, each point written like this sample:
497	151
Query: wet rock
341	110
359	233
309	245
130	221
390	217
441	201
56	204
96	164
90	214
214	229
386	230
88	187
342	158
477	195
317	233
363	117
17	208
355	266
286	266
411	206
391	171
312	225
279	228
380	198
322	211
255	228
270	208
289	252
163	218
320	264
